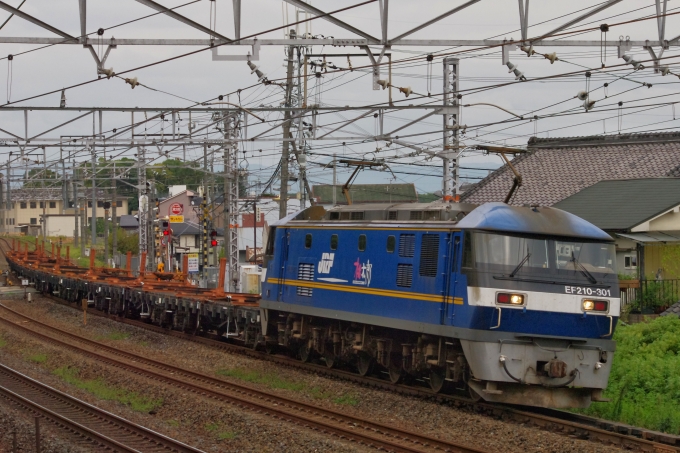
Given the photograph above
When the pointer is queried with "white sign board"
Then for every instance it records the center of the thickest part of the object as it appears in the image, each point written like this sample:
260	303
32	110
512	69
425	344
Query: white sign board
193	262
24	282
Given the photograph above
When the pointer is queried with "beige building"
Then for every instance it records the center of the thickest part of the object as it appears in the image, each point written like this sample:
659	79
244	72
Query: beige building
30	205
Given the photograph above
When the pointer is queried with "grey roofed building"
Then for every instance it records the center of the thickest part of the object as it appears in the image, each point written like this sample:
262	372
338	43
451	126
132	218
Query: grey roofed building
556	168
366	193
621	205
128	222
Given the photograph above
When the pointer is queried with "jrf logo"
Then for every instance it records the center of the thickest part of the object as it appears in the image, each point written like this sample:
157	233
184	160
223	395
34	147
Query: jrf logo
326	263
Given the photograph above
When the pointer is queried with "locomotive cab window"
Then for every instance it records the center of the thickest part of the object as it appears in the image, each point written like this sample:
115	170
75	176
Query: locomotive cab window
334	242
308	241
362	242
391	244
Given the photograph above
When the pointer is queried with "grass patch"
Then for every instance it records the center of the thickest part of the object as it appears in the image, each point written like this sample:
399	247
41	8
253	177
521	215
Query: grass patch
143	344
38	358
271	380
644	384
222	435
227	435
173	423
347	400
3	342
101	390
114	336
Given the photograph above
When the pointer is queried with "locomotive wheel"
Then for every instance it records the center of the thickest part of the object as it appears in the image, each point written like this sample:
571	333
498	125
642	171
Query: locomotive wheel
364	363
305	352
437	379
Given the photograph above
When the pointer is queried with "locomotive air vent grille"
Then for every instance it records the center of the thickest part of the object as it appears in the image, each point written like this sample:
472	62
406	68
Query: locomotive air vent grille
335	215
407	245
344	216
432	215
305	272
429	255
392	215
404	275
357	215
416	215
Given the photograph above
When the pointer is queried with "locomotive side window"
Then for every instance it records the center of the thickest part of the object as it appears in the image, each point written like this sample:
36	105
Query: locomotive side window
334	242
308	241
391	243
362	242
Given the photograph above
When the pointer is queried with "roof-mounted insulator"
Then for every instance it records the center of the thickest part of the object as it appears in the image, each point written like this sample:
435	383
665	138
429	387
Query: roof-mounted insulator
132	82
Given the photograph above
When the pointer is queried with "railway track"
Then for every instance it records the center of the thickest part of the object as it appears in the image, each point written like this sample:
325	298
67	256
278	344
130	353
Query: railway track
90	424
363	431
568	423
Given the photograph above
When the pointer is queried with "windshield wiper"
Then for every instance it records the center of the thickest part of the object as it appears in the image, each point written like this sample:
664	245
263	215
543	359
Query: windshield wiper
584	271
521	263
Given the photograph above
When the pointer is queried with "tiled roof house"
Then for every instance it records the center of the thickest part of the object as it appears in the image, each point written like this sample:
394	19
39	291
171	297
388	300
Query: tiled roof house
556	168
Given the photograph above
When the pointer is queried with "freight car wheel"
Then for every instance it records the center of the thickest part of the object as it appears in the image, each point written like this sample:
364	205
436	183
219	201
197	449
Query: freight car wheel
364	363
437	379
305	352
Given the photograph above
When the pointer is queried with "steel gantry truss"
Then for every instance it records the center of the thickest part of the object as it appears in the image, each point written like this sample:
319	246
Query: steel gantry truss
376	46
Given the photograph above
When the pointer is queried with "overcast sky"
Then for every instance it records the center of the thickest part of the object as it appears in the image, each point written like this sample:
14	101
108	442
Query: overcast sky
197	78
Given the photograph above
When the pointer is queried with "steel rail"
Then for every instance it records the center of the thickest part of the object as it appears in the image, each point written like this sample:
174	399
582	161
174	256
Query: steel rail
36	396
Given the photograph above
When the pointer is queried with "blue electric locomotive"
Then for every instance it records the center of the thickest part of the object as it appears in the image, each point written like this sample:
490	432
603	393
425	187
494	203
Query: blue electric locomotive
514	304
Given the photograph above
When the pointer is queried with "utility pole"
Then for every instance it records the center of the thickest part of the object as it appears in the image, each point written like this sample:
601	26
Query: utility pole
230	211
76	205
93	212
335	178
114	219
451	186
44	196
283	193
143	201
107	205
9	195
150	227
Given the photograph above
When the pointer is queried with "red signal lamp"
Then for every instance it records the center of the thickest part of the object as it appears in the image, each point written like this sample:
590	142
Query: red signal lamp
213	243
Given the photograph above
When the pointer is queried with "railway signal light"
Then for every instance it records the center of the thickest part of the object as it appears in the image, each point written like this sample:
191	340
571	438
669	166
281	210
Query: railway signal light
213	238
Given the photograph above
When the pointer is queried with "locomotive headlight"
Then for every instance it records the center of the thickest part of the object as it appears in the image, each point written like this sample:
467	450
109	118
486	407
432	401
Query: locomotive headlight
510	299
595	305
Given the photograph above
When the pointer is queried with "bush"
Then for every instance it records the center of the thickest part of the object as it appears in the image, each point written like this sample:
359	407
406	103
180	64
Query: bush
644	385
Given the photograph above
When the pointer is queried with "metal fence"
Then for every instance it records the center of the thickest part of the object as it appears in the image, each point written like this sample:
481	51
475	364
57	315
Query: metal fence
651	296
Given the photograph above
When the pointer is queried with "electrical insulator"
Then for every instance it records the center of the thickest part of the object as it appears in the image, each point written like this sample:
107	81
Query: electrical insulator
62	103
406	90
107	72
588	104
383	83
133	82
528	50
254	70
665	70
635	64
518	74
582	95
551	56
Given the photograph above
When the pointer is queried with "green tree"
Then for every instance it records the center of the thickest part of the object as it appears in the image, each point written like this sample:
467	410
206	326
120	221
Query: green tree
126	242
36	177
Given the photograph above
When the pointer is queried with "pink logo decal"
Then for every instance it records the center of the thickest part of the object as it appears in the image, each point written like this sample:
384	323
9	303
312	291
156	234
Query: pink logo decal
357	270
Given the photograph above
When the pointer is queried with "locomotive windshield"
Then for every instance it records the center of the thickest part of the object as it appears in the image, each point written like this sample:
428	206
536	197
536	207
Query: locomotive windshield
515	256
